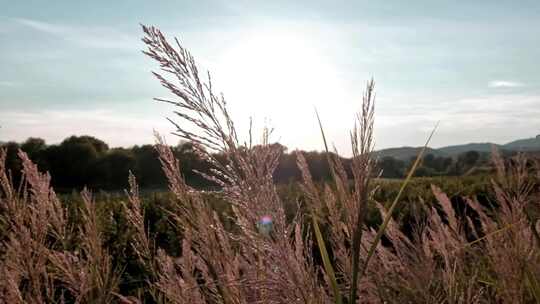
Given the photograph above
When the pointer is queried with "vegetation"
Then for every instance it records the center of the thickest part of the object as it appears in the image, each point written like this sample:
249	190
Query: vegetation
85	161
346	239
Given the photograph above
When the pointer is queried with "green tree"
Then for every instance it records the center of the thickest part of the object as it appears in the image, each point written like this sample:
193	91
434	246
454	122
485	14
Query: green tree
391	167
13	163
35	148
113	169
148	168
73	162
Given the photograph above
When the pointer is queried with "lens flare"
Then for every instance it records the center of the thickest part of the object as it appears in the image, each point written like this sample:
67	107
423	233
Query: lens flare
265	224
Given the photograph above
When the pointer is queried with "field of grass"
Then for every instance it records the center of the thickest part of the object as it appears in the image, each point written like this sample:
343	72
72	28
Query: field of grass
116	247
472	239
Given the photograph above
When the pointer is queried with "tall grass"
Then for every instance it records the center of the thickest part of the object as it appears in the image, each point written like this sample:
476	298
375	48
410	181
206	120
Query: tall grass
477	253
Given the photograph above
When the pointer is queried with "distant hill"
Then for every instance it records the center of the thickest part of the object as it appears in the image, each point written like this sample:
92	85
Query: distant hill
406	153
458	149
527	144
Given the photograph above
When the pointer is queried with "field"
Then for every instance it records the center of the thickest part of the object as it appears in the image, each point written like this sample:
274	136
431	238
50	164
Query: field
131	247
352	238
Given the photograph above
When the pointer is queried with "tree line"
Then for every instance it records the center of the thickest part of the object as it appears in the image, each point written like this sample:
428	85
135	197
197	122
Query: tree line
465	163
80	161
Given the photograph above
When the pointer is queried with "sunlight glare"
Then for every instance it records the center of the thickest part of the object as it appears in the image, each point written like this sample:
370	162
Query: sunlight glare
266	73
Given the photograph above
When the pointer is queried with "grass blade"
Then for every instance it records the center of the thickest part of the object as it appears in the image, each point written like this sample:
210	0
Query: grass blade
330	163
383	226
329	269
322	130
533	285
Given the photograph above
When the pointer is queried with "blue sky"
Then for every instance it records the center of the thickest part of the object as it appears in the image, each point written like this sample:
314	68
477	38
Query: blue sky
71	67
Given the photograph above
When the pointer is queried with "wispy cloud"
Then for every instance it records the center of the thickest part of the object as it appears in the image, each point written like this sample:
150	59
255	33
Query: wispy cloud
93	37
505	84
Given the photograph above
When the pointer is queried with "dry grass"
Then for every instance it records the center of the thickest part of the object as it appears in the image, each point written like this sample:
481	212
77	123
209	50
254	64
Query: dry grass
489	254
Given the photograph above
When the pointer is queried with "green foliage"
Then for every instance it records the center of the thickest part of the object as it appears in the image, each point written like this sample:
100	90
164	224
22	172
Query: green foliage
166	234
85	161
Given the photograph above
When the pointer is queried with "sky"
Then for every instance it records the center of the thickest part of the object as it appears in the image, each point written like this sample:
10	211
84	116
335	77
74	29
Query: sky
76	67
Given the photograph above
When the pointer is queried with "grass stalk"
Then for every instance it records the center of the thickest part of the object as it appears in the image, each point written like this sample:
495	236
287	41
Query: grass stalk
329	269
382	228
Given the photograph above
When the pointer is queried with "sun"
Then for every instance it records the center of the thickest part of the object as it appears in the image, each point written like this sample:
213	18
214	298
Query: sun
277	66
278	74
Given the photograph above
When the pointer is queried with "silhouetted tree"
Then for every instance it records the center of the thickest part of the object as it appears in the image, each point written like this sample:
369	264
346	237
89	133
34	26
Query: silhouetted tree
429	161
391	167
470	158
13	163
73	162
113	169
36	149
318	165
148	168
80	161
32	146
190	163
287	170
436	165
